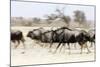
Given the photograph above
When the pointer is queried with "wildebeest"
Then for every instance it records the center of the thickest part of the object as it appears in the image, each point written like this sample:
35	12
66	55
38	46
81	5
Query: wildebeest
46	37
17	36
65	35
91	34
35	34
62	36
50	36
53	36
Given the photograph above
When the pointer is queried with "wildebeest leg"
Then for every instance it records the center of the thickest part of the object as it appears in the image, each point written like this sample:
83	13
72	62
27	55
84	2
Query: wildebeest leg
51	42
94	43
75	45
91	44
41	44
63	45
24	45
61	48
69	48
84	45
44	45
81	48
81	44
36	41
87	48
13	41
17	44
57	47
23	40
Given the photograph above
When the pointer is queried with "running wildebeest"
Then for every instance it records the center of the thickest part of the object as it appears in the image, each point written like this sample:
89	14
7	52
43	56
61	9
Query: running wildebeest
35	34
17	36
53	36
62	36
65	35
50	36
91	39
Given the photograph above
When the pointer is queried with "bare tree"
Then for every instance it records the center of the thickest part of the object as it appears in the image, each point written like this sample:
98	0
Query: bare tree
51	17
62	15
79	16
66	19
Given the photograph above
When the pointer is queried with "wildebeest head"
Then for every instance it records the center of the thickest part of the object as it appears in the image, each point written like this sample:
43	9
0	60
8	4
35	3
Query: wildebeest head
30	34
35	33
91	35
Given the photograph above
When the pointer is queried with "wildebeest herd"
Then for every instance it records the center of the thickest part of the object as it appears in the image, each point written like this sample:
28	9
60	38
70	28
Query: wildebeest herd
62	36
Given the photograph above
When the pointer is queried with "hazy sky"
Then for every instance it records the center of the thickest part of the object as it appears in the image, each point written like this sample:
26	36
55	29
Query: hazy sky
32	9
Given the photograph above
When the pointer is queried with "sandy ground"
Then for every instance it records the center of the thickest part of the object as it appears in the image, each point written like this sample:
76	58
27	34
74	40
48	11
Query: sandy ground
35	54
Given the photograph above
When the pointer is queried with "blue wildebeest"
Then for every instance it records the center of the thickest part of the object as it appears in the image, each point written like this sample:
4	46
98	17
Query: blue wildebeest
65	35
91	34
35	34
62	36
53	36
17	36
